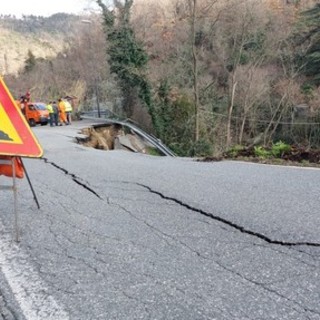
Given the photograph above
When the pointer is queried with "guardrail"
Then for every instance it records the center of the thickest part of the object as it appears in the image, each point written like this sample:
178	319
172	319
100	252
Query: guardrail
157	143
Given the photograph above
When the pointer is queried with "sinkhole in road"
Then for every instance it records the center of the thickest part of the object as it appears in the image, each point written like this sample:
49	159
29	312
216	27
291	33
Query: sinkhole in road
115	137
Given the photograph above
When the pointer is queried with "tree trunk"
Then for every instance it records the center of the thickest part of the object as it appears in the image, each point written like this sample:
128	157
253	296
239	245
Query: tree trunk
242	128
230	109
266	138
195	71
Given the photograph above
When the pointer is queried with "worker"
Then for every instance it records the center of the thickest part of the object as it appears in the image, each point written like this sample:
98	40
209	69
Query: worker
62	112
55	113
51	113
23	104
28	95
68	110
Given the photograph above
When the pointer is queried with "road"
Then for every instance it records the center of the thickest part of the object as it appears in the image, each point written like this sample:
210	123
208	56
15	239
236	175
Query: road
122	235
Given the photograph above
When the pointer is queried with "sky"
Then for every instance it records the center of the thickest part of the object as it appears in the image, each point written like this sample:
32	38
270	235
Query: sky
44	7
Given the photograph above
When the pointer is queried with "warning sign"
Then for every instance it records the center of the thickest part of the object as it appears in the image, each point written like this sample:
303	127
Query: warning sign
16	137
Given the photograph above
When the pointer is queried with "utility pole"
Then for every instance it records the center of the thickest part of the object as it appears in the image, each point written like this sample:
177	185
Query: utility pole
93	66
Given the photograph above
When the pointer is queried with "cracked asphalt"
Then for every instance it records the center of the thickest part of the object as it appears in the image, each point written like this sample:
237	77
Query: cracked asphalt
121	235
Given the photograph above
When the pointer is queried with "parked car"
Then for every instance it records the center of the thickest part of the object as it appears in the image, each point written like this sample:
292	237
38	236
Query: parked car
36	113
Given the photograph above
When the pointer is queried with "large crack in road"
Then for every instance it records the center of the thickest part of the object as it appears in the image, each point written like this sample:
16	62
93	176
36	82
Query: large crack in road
230	223
76	179
210	215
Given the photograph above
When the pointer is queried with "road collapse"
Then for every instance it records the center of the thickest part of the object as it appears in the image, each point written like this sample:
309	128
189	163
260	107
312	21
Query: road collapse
114	137
111	134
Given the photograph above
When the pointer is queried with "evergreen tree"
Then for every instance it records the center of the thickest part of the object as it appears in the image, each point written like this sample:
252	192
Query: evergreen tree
127	58
310	37
30	62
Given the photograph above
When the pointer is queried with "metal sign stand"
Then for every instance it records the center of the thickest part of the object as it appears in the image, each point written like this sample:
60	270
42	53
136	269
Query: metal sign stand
30	184
15	193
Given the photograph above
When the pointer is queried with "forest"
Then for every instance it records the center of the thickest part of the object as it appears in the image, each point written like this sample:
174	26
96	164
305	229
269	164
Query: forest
204	76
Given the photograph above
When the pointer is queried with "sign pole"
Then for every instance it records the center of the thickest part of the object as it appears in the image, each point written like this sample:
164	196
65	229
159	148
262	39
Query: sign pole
15	198
30	184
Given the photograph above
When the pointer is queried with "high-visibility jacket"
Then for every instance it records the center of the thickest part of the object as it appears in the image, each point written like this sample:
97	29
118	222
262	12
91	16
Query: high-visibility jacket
62	111
49	108
68	106
6	166
62	106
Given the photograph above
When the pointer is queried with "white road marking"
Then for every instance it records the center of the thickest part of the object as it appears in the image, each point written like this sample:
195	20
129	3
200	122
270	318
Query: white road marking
26	284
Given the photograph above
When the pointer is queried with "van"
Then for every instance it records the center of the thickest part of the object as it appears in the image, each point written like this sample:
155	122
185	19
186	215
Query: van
36	113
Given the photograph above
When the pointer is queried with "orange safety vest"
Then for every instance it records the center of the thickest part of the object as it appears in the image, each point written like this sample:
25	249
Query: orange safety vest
6	166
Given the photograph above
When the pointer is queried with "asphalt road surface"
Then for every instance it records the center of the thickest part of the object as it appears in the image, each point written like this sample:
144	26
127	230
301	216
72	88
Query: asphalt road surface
125	236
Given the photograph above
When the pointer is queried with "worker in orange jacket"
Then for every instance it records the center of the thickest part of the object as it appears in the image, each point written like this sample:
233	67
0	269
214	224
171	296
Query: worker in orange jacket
62	112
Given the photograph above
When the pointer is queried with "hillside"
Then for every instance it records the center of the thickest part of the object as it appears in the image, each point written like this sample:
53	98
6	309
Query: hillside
47	36
44	37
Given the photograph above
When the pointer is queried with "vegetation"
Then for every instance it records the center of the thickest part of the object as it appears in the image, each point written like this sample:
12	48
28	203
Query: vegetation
309	37
127	59
279	149
30	62
205	76
278	153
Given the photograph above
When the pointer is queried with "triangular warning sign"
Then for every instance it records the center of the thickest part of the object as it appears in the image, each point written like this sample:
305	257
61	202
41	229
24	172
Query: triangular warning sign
16	137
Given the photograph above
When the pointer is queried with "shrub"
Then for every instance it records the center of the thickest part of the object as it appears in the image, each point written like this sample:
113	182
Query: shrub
279	149
235	150
201	148
261	152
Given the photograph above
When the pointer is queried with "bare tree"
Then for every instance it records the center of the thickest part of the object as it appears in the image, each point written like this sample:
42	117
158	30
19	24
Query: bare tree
193	5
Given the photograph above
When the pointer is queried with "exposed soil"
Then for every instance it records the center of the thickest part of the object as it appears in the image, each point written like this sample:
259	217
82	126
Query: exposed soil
101	138
114	137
